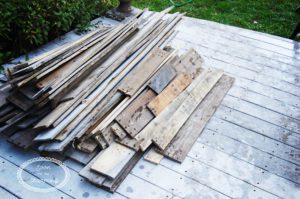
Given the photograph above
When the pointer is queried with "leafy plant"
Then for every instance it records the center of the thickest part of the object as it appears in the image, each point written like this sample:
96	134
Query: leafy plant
24	24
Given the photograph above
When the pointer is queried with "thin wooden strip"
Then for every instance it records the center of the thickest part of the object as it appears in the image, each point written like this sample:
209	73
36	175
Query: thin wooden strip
189	132
136	116
153	156
132	82
158	104
112	160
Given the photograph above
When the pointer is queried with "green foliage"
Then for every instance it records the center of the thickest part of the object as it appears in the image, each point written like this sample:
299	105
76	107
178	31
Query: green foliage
25	24
276	17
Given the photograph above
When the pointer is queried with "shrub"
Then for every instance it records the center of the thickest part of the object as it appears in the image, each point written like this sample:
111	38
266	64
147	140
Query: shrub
24	24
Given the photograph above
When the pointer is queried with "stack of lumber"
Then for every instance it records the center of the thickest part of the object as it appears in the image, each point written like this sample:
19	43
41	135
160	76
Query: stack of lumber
111	97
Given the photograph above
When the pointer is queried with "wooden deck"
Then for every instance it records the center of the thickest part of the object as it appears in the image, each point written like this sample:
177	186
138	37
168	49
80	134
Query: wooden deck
249	149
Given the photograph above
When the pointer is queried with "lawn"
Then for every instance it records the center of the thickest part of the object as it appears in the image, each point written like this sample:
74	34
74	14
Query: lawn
276	17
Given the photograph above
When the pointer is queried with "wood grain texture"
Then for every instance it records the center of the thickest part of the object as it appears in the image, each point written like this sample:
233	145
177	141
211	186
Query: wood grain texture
136	116
118	131
190	63
143	72
195	96
169	93
190	131
171	118
113	160
164	76
153	156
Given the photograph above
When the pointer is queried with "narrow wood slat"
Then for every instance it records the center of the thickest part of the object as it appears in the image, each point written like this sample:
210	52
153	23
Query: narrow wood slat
169	93
189	132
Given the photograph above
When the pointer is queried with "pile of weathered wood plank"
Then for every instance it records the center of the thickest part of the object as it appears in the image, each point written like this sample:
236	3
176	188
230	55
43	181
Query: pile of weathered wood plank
112	95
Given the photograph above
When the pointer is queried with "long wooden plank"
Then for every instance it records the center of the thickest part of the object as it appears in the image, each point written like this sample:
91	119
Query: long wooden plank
136	116
169	93
195	95
143	72
261	178
216	179
264	143
162	121
112	160
265	114
259	126
275	165
189	132
178	184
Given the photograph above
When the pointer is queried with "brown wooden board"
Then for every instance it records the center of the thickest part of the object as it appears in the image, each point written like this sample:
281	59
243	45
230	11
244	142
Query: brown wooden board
169	93
190	131
136	116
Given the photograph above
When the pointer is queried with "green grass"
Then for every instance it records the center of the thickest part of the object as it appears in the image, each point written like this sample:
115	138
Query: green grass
275	17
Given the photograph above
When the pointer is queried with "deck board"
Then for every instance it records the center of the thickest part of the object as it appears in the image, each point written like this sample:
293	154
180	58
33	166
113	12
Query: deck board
249	149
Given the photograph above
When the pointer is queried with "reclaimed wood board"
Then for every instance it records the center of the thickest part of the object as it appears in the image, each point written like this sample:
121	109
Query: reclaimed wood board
195	96
118	131
130	142
190	131
112	160
190	63
143	72
112	185
92	176
136	116
169	93
153	156
164	76
181	105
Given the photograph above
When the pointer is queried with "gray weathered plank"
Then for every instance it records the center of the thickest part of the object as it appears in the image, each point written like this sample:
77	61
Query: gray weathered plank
192	128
